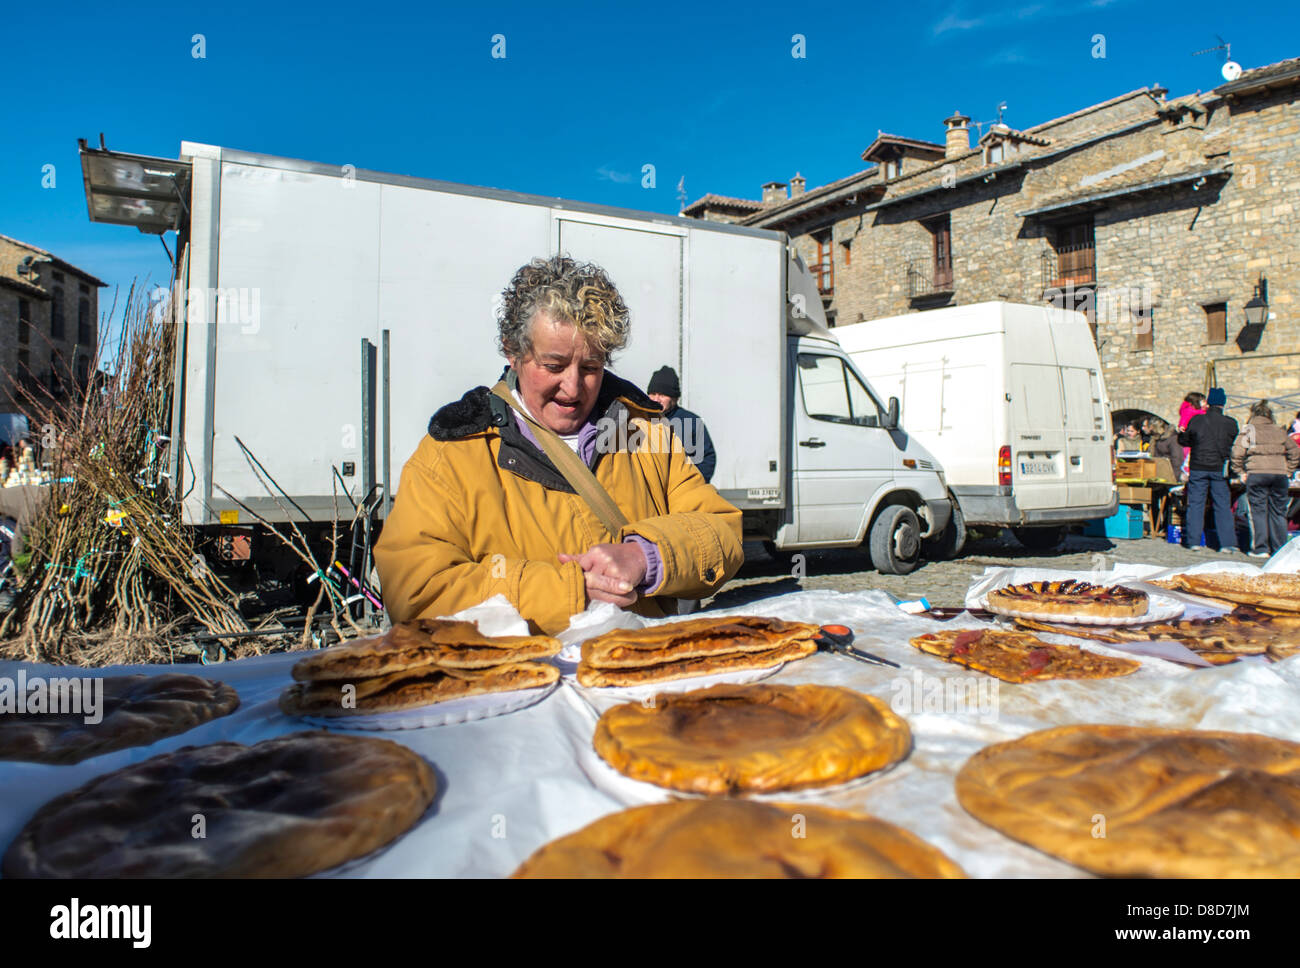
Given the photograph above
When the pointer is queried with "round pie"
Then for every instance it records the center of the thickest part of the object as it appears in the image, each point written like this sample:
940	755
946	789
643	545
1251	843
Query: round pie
738	838
132	711
285	807
1067	598
1136	802
752	738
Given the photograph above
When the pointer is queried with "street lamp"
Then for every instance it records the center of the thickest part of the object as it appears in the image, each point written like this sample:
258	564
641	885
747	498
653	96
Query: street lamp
1257	308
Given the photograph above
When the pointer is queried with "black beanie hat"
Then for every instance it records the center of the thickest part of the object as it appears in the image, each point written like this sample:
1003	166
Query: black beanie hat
665	381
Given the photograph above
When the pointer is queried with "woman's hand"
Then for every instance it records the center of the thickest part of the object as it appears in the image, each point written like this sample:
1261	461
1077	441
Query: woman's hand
612	571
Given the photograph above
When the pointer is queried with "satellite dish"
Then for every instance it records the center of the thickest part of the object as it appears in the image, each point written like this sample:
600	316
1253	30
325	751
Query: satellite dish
1231	70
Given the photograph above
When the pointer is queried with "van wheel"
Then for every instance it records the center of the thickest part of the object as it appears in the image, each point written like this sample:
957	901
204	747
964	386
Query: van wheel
895	541
1040	539
949	544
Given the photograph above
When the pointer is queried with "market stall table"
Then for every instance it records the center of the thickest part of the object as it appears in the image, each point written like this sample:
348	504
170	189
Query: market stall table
510	784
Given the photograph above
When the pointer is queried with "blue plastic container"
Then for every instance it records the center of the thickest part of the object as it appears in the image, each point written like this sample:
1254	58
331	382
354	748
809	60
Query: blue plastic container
1125	524
1174	534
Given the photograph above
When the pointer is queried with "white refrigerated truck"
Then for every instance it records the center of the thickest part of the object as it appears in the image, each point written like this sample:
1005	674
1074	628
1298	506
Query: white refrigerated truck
1011	400
330	311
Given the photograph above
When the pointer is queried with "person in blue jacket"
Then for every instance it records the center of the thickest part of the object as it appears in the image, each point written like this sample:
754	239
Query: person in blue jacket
665	389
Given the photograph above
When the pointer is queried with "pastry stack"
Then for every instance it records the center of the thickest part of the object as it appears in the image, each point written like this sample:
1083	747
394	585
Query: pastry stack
416	664
696	647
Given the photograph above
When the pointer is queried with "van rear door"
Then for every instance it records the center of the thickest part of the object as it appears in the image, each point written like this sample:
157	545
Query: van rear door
1087	444
1038	451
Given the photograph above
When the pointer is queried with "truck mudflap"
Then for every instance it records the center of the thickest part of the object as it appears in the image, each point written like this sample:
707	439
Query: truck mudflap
996	505
935	516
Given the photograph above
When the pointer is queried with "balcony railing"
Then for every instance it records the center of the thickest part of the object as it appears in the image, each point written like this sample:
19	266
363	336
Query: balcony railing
1070	265
924	278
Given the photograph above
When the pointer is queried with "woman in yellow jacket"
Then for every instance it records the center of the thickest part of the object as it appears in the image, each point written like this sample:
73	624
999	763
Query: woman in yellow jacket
482	510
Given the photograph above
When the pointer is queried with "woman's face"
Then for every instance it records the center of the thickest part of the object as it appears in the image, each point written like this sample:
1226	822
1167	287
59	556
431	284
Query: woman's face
561	378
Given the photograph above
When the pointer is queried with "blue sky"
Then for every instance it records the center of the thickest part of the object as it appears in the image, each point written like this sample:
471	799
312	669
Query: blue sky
586	95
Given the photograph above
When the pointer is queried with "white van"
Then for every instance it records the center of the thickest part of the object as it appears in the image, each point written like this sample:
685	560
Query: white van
1009	398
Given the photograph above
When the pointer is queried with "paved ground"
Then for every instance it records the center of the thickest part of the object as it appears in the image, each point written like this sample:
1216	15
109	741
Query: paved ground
943	583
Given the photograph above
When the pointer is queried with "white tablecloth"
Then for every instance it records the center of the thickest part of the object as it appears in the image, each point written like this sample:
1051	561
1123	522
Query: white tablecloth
510	784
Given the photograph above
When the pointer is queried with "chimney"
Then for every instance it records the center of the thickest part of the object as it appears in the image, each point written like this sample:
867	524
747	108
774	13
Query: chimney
957	140
774	193
796	185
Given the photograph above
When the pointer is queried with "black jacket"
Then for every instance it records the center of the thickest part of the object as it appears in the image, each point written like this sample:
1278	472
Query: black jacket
1210	436
689	428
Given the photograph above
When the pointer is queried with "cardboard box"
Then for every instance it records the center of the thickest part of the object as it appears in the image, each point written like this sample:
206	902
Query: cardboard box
1137	470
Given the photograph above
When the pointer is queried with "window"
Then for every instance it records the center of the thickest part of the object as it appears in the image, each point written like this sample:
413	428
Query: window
941	231
83	288
1076	254
893	168
1144	328
58	277
824	267
1216	323
56	314
83	322
832	392
994	152
24	321
848	253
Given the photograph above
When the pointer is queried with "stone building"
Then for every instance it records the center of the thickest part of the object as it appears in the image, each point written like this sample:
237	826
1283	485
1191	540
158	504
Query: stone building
49	311
1168	221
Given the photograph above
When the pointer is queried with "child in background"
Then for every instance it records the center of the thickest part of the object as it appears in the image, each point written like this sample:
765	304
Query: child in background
1193	404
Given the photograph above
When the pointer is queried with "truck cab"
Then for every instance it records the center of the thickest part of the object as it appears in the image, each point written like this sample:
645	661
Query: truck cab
857	475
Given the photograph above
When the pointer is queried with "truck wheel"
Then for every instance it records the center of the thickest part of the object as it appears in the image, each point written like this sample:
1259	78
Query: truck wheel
949	544
896	541
1040	539
782	558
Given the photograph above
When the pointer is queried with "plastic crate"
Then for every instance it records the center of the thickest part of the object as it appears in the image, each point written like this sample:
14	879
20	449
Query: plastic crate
1125	524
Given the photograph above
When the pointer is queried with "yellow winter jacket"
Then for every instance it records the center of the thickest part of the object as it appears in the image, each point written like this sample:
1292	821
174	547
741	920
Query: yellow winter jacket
481	511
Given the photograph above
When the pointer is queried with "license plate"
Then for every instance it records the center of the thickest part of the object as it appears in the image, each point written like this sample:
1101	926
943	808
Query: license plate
1037	468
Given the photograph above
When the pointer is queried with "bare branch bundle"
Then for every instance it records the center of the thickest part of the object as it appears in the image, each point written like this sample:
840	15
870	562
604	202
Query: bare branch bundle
108	554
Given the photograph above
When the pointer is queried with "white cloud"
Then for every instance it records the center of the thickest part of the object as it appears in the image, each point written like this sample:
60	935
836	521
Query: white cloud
606	173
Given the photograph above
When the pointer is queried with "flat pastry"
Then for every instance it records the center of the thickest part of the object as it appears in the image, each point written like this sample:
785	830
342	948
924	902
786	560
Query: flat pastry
738	838
133	711
285	807
410	689
1019	656
1280	592
691	639
752	738
1245	631
1066	598
1136	802
423	642
688	668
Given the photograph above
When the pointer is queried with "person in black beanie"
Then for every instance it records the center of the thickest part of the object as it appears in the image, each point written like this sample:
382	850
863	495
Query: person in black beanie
665	389
1210	436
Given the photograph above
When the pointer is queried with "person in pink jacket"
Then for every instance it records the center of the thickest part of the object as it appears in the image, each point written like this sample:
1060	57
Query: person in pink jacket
1193	404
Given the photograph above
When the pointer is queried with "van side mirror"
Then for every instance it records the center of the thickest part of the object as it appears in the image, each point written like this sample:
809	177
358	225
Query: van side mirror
891	419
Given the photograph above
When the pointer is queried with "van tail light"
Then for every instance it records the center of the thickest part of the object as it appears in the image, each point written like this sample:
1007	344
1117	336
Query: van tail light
1004	465
1114	467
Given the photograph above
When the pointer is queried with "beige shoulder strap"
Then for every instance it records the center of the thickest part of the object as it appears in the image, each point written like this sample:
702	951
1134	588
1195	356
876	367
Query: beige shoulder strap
575	471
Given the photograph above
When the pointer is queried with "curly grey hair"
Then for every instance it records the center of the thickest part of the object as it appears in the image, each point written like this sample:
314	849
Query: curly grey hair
579	293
